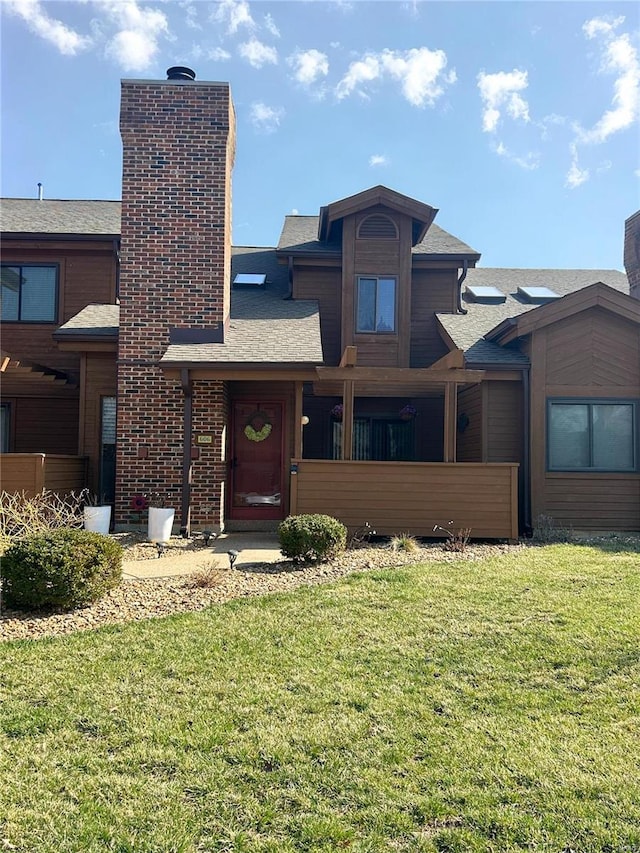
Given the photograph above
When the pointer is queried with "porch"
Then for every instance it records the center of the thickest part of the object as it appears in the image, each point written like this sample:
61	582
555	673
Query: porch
32	472
411	497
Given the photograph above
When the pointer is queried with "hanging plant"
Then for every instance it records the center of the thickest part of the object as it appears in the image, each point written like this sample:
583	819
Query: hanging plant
407	413
258	427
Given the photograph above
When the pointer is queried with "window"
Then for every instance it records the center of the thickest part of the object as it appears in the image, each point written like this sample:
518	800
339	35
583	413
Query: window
592	435
29	293
376	310
5	427
381	439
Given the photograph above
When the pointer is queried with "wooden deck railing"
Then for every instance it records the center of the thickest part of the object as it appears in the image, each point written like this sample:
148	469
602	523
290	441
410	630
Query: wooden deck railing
32	472
411	497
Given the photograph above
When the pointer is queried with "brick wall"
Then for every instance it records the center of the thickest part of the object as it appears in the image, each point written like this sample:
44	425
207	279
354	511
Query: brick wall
632	253
178	149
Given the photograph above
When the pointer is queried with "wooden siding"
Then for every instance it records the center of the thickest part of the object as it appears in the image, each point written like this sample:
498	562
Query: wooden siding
594	501
410	497
470	440
323	285
431	291
100	380
504	420
44	424
32	472
87	274
594	348
592	354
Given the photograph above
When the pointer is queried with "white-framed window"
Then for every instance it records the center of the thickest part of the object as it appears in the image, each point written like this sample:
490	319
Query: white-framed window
592	435
376	304
29	293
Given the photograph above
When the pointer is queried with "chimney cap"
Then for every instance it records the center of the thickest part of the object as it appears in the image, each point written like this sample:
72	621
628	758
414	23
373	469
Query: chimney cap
180	72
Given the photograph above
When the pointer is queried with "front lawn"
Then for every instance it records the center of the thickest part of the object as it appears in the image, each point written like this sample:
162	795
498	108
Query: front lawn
488	705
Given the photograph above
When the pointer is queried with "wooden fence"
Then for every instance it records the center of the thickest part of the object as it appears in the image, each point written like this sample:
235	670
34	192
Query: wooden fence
32	472
411	497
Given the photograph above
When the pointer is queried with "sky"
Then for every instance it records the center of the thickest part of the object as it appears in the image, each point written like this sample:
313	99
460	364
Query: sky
519	121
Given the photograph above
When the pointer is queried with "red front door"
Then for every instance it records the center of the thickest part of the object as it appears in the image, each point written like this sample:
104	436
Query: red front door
256	460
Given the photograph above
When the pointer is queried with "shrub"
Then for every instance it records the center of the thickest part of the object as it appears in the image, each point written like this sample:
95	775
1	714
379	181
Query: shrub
404	542
307	538
23	515
60	568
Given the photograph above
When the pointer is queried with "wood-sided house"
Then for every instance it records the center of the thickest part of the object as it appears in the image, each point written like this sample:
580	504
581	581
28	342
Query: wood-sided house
366	367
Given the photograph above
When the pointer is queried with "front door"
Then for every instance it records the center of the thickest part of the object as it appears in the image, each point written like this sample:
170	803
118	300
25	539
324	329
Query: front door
256	460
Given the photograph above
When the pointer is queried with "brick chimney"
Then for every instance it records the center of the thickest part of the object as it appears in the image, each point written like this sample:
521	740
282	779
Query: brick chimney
632	253
178	140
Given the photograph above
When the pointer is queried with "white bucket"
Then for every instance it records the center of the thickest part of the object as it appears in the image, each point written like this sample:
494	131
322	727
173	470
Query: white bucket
160	524
97	518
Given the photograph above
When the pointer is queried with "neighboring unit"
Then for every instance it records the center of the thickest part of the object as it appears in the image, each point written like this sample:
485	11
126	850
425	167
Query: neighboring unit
365	367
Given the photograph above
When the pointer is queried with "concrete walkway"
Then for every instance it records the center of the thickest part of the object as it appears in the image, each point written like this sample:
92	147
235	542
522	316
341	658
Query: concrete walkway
251	547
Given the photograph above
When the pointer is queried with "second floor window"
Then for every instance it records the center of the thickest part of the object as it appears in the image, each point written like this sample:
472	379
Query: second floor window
376	309
29	293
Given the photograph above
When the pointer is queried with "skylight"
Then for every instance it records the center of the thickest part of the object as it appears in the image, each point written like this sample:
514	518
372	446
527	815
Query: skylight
537	295
484	295
250	279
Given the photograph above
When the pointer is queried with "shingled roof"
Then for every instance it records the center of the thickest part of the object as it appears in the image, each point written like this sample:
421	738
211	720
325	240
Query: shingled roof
300	236
467	331
265	326
60	216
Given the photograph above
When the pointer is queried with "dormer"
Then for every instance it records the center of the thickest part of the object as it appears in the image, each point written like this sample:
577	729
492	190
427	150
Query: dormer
398	206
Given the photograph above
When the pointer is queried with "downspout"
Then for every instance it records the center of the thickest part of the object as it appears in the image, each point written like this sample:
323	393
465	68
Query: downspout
526	454
185	510
463	275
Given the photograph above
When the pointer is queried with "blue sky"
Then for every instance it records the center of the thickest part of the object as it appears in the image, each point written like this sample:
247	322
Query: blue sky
519	121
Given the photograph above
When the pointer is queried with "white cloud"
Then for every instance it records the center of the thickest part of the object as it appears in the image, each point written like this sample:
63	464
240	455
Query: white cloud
575	176
265	118
601	26
529	162
191	15
67	41
619	57
637	173
258	54
135	45
500	91
420	71
295	211
308	66
604	166
235	13
270	24
378	160
218	54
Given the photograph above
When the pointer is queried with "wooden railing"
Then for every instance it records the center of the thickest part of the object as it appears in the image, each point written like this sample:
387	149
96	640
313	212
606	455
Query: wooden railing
410	497
32	472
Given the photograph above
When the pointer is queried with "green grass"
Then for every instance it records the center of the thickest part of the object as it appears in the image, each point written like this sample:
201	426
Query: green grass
470	706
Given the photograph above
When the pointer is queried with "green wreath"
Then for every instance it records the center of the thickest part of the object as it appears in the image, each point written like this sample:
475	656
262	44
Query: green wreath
251	430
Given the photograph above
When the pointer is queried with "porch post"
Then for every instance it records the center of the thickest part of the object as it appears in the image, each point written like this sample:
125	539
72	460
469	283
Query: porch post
297	425
450	421
347	419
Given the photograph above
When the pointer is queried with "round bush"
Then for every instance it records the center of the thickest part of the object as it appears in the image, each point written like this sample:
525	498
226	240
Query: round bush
306	538
61	568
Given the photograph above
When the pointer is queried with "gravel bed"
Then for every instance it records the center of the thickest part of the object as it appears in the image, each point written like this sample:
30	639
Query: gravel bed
156	597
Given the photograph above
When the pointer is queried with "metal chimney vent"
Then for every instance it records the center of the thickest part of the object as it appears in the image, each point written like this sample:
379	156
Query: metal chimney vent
180	72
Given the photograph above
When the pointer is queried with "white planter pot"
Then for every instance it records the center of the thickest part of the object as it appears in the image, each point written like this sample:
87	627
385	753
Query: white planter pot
97	518
160	524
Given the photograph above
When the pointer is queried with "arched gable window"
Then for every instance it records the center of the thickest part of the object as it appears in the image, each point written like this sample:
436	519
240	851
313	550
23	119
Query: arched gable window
378	227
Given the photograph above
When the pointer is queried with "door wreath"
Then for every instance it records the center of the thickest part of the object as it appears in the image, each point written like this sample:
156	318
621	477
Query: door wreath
258	427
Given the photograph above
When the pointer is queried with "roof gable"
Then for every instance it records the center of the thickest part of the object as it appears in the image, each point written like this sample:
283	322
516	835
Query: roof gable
594	295
422	215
